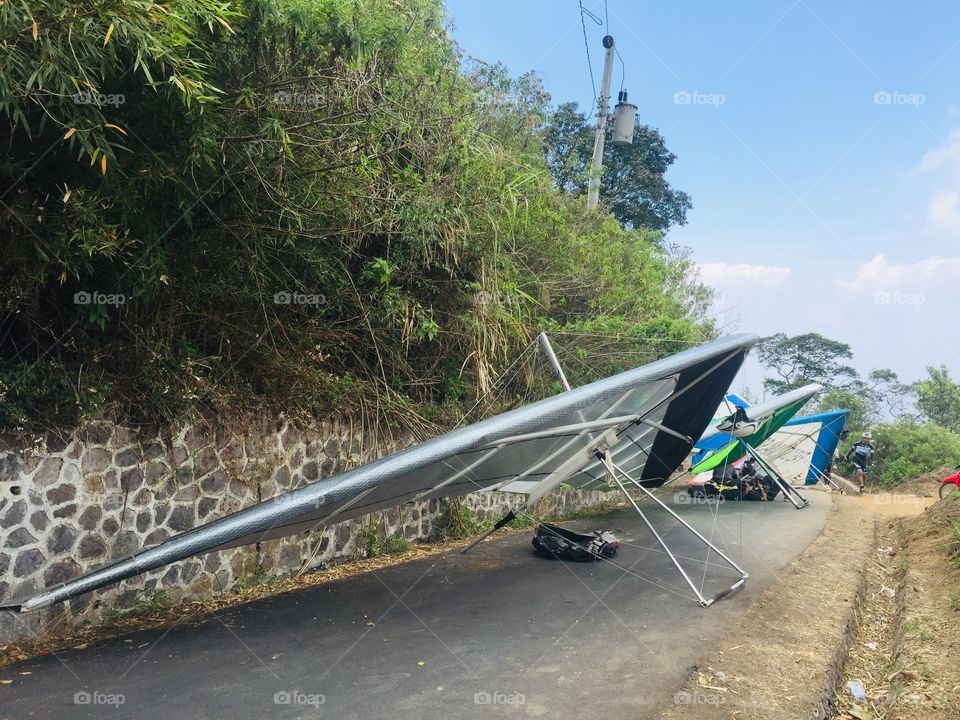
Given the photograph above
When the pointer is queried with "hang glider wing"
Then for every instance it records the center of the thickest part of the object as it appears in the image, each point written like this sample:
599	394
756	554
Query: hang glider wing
646	417
722	443
803	448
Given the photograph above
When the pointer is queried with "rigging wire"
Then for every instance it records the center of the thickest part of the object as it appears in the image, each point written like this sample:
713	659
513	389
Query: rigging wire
584	14
500	379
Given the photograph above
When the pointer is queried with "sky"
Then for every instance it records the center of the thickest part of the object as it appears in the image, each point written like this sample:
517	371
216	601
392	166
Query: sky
819	140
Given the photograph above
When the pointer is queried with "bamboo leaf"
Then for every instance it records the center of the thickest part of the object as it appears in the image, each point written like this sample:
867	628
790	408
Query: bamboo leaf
224	23
69	133
109	33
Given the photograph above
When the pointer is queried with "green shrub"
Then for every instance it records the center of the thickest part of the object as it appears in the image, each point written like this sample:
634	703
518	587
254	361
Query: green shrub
455	520
906	450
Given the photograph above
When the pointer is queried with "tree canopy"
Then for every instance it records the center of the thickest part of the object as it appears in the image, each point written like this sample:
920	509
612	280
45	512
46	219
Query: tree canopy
803	359
938	398
634	188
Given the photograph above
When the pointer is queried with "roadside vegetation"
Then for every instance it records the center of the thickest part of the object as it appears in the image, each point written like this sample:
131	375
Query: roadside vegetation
915	427
307	205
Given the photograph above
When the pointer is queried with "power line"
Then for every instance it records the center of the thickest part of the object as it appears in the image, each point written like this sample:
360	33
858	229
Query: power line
584	13
623	67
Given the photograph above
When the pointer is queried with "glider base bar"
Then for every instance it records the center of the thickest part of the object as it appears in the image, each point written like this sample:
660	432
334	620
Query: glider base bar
505	520
615	470
788	490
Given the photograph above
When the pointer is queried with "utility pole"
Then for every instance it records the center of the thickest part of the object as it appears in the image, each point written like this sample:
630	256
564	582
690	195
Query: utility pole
596	167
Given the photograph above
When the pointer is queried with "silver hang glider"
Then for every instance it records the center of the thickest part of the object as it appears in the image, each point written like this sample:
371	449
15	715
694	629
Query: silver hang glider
636	426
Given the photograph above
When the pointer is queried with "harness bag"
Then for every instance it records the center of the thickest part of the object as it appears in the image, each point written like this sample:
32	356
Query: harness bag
557	543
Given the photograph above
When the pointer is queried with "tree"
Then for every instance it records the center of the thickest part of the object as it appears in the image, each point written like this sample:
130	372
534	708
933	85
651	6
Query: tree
633	187
837	398
885	396
938	398
804	359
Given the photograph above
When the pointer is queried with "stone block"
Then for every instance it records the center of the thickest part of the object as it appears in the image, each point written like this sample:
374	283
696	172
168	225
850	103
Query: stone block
95	459
61	539
61	494
20	537
182	518
48	473
92	547
28	562
65	511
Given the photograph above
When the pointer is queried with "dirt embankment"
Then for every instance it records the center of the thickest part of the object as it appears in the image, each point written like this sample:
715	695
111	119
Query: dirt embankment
788	653
904	658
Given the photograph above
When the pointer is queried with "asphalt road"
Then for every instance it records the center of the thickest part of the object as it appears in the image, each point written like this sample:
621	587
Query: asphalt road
498	632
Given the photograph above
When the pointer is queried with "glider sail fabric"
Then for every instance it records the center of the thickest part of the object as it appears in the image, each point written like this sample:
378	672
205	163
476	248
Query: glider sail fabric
646	417
803	448
751	426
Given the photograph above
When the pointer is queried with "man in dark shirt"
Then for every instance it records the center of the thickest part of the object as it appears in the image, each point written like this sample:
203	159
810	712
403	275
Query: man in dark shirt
861	455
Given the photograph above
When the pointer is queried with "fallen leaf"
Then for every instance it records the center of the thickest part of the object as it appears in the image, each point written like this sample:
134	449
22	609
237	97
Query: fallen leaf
5	681
421	663
860	713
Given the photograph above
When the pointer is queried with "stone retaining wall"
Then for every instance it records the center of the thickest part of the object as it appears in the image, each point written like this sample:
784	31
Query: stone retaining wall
71	504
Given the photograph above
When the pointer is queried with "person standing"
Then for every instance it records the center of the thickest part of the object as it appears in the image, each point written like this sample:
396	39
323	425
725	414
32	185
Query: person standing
861	455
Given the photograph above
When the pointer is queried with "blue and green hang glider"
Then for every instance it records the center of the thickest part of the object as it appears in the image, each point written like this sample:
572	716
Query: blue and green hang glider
803	449
747	428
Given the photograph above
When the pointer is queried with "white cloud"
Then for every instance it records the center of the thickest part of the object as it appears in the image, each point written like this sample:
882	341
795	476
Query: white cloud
943	211
943	207
927	274
721	274
946	156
